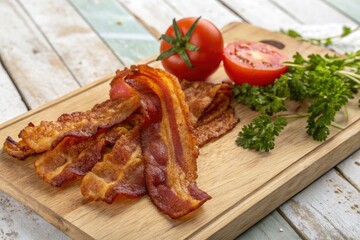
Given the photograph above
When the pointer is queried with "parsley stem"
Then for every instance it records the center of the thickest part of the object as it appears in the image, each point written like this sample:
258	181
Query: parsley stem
338	126
353	76
295	116
293	65
351	59
333	124
350	73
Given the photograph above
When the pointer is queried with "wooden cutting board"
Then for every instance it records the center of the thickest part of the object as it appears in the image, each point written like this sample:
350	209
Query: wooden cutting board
245	185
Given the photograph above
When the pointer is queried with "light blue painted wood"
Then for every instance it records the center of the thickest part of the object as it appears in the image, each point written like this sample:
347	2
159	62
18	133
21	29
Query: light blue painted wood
313	12
351	170
128	39
273	226
11	103
348	7
328	209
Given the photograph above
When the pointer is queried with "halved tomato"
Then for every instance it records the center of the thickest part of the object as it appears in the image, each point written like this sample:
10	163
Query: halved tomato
255	63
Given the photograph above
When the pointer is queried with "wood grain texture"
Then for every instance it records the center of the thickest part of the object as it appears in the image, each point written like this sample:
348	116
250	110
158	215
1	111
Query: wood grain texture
307	12
267	14
11	104
167	10
84	53
245	185
333	203
350	169
350	8
127	38
39	74
272	226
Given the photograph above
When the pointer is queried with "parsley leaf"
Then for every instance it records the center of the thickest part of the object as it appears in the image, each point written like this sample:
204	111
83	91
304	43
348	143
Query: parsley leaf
329	93
346	31
260	134
261	99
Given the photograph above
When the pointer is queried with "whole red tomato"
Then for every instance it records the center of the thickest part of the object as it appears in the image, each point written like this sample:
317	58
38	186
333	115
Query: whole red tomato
191	49
254	63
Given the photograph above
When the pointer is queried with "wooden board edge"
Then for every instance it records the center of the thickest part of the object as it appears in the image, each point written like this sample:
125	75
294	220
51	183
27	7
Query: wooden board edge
271	195
53	218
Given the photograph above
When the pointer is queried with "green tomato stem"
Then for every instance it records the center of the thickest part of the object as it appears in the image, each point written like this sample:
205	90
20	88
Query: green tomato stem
180	43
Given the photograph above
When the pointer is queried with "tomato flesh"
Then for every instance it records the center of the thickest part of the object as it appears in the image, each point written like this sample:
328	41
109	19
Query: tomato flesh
205	61
253	62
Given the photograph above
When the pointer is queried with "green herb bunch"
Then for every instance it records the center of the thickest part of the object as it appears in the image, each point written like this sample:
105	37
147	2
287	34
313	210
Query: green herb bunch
326	82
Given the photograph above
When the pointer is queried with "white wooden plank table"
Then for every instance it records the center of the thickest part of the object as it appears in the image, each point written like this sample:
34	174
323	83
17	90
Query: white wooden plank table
49	48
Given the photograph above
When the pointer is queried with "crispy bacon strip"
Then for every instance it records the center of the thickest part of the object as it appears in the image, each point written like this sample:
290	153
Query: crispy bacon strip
209	104
219	105
37	139
120	174
168	144
69	160
199	96
74	156
216	128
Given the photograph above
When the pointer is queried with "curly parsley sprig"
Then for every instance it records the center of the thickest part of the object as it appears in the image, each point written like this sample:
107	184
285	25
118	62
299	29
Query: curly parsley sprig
328	82
261	132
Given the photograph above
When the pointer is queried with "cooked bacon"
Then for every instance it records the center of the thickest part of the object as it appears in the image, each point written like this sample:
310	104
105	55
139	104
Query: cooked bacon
206	99
216	128
110	179
69	160
19	149
199	96
97	186
37	139
219	105
120	174
74	156
209	104
168	144
155	151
